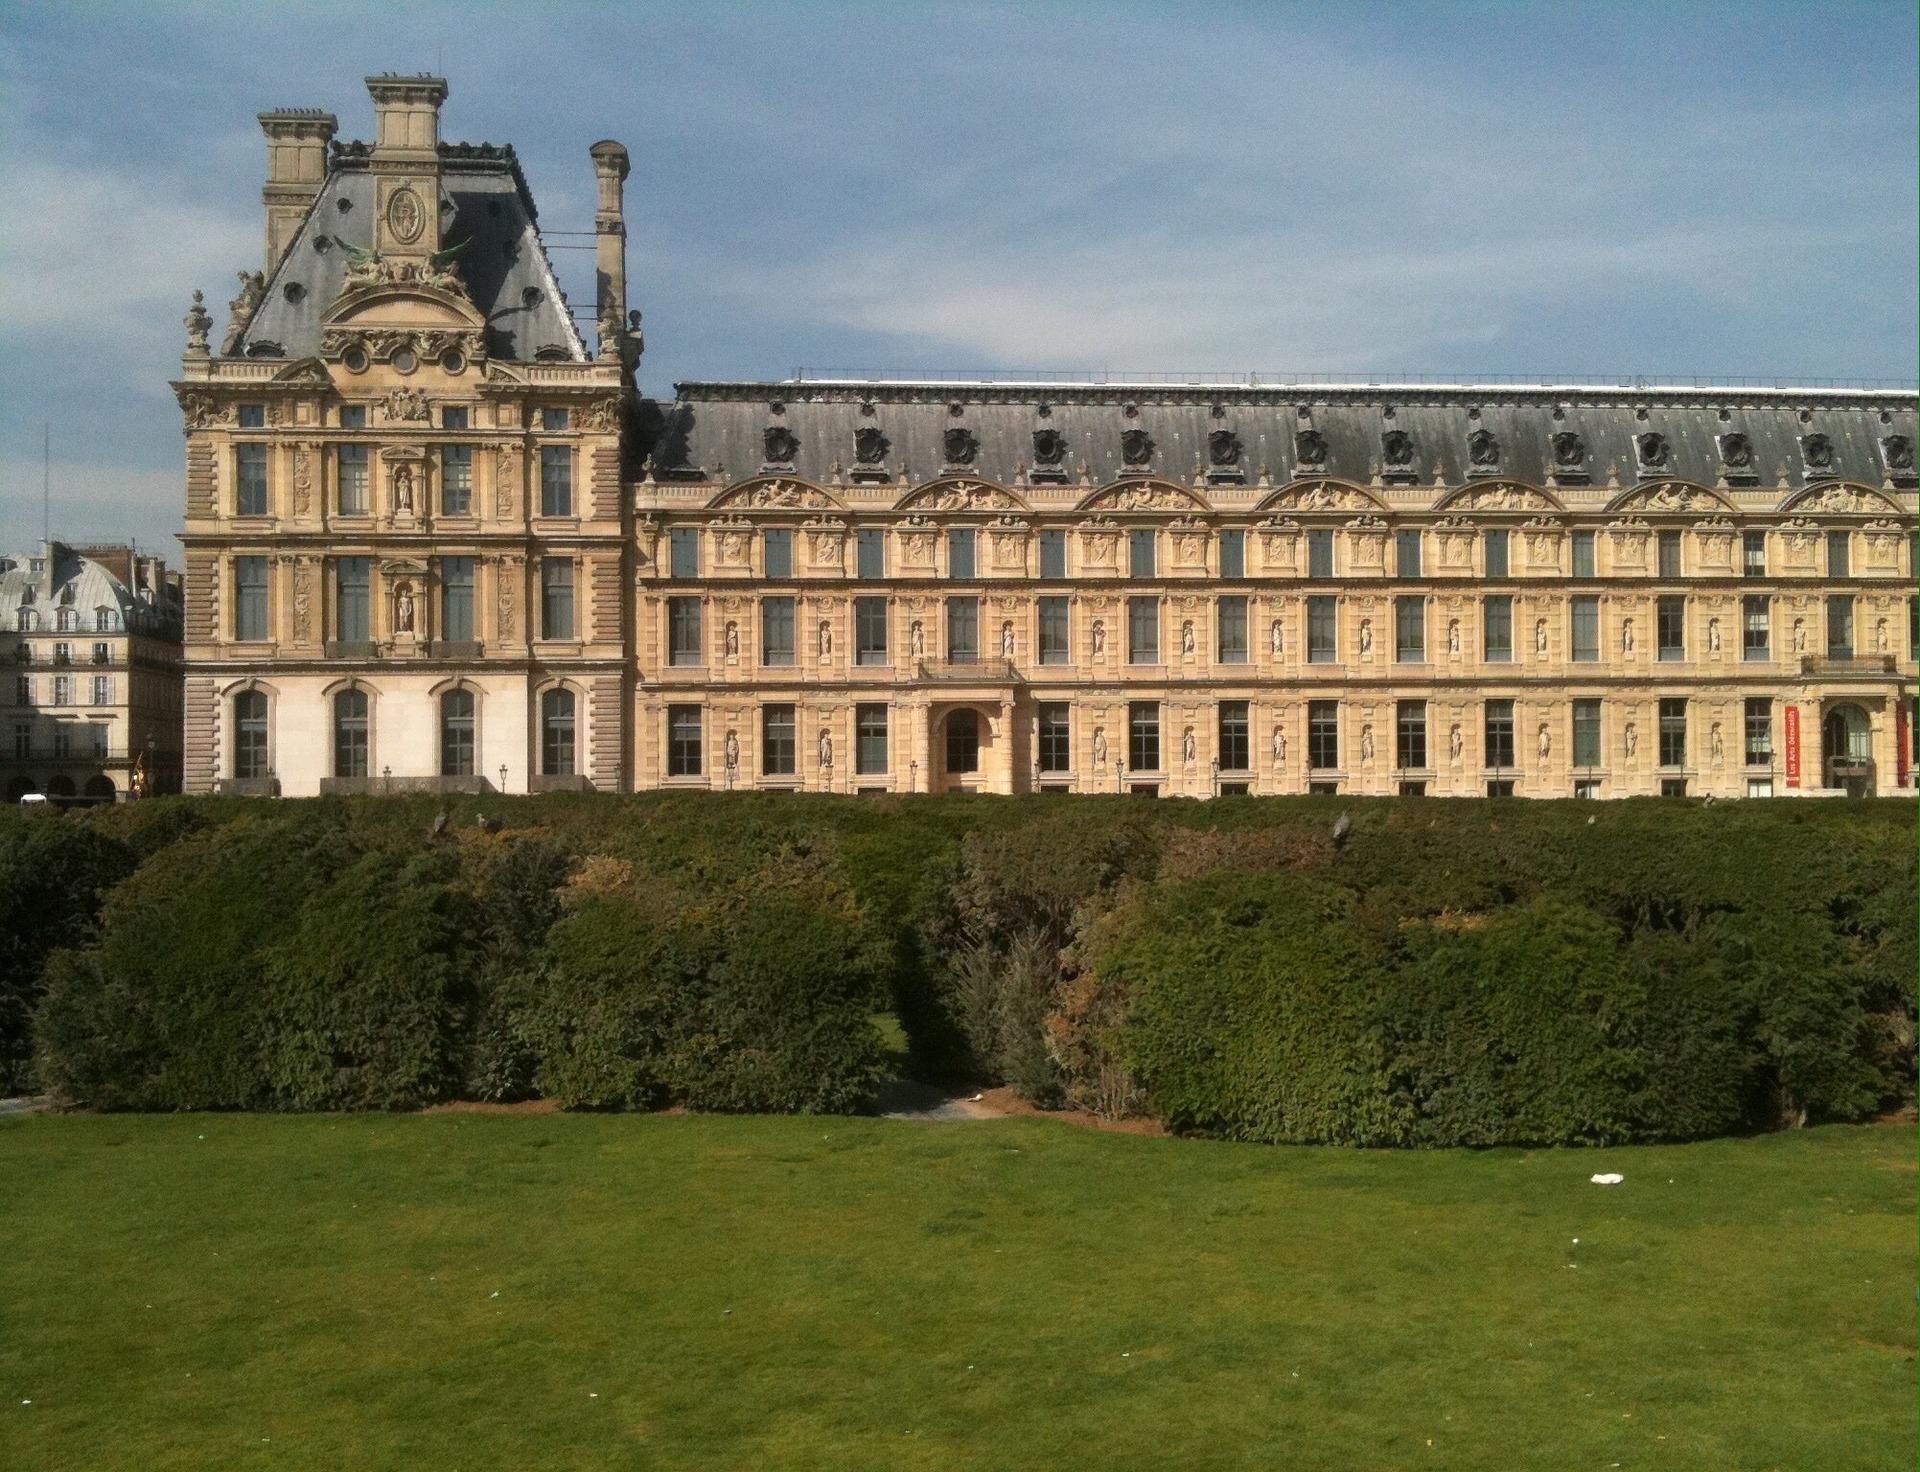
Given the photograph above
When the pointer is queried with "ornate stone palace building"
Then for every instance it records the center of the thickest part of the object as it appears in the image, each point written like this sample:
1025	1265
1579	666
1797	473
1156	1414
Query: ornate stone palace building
432	541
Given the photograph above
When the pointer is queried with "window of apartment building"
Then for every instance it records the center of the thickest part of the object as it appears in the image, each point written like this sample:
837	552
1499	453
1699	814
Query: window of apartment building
1669	554
1756	627
683	552
1140	552
1320	554
103	619
777	631
1839	562
1410	630
963	742
776	549
352	579
1233	554
1143	736
454	416
1321	628
1839	626
456	599
350	734
1235	749
1585	610
1670	626
1053	554
63	739
684	757
1673	733
1410	734
870	552
556	598
65	621
22	741
456	733
1759	731
253	416
1323	735
553	420
103	689
63	653
685	618
960	544
869	631
1230	617
779	745
1500	789
1496	627
1054	640
23	689
1496	544
963	629
353	416
250	480
456	480
870	739
1583	554
1055	736
556	480
1143	630
1753	554
557	733
1406	553
1499	723
350	473
250	734
1586	733
249	598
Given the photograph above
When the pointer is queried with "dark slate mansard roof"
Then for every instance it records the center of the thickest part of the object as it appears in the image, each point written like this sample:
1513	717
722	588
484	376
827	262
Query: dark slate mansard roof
723	425
502	260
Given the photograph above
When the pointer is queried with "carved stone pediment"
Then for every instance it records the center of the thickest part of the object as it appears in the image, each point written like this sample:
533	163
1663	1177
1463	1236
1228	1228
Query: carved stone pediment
1842	498
777	493
1322	495
1145	495
960	494
1669	496
1499	495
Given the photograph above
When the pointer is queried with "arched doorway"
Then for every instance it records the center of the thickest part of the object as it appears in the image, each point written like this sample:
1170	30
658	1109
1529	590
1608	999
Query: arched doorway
1846	750
962	746
60	787
99	788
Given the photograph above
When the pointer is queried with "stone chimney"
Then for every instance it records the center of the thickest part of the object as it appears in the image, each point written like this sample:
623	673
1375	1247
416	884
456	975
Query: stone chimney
406	164
297	139
610	232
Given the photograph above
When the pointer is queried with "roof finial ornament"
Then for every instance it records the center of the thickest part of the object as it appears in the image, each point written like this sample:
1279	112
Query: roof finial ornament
199	324
1613	475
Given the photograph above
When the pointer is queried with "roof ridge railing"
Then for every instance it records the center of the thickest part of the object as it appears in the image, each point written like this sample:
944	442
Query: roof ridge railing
1113	378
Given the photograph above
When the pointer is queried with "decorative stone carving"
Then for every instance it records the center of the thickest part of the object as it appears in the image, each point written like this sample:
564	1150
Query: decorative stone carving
1631	738
602	416
777	495
1895	449
1322	495
1099	637
780	443
1310	449
405	404
1669	495
403	609
1099	747
1483	448
366	269
1499	495
825	751
1366	742
1223	449
1817	450
1736	451
1653	450
201	412
506	574
1845	500
1454	744
1136	446
1396	449
302	477
1569	451
1150	496
253	286
869	445
1279	746
1187	747
302	601
961	445
506	478
961	495
1453	636
198	324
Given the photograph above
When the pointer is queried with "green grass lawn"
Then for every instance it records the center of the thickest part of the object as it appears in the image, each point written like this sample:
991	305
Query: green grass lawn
465	1291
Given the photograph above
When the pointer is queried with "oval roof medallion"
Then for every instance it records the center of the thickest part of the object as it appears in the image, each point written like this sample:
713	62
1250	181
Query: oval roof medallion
405	218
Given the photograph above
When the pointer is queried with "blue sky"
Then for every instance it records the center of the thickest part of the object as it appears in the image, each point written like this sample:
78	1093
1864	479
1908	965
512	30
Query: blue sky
1377	188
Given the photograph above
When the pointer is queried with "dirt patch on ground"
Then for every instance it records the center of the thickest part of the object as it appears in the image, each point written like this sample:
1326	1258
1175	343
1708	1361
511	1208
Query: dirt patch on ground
995	1103
471	1106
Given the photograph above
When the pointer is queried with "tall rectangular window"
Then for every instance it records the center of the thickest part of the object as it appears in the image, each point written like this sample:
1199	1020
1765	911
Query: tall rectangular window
63	690
869	631
456	599
776	631
683	741
1321	630
250	480
1143	631
554	420
1230	615
556	480
351	579
103	689
556	598
1410	630
253	416
960	540
1496	628
1753	554
1586	733
1583	554
1053	554
1839	563
870	739
1496	545
456	480
1670	626
777	741
1320	554
685	643
1499	719
350	475
1143	736
1673	733
249	598
1054	637
1055	736
1839	626
1323	735
1406	553
870	552
1586	628
776	546
1235	749
1756	627
1410	734
353	416
1233	554
683	552
1759	731
1140	550
963	629
1669	554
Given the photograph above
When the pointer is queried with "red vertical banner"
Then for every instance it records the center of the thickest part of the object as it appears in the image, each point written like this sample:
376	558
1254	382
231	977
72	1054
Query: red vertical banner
1793	746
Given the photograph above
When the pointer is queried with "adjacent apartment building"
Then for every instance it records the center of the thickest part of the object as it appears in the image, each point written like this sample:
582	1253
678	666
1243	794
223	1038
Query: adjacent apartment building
433	541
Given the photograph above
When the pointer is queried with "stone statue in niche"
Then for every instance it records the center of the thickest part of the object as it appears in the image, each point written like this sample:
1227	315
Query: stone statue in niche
825	639
732	751
1366	742
403	488
1453	743
919	636
1799	636
1366	635
1626	635
1186	637
1880	637
1099	747
1273	638
1279	747
826	750
1713	636
1546	742
1187	746
1453	636
733	639
1540	636
1714	743
1632	738
1099	637
403	609
1006	640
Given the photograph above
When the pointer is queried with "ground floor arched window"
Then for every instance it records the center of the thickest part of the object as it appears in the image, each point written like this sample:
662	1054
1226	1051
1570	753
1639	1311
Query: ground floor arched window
350	734
250	734
456	733
557	733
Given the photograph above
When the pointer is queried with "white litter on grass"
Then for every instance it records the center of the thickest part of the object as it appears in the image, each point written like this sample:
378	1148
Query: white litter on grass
494	1294
1610	1178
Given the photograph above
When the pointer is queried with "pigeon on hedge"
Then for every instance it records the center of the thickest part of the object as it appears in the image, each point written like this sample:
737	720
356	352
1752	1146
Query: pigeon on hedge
439	829
486	824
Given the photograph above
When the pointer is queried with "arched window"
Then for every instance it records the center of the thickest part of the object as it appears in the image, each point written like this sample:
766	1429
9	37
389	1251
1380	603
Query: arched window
963	742
556	733
250	734
456	733
350	733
